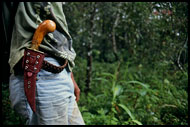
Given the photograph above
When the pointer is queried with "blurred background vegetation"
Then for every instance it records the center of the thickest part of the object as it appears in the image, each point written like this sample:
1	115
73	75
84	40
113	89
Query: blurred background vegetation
131	64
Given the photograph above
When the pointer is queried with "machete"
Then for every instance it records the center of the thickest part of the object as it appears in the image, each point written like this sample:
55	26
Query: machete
33	60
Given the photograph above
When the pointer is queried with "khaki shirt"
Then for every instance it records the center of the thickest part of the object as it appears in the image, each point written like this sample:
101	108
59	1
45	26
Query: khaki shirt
28	16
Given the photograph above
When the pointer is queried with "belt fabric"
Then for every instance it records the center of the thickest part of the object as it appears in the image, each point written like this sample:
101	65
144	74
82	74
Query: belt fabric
53	68
45	64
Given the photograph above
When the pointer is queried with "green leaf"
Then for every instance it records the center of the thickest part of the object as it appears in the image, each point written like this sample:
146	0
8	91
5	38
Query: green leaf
142	92
122	82
113	110
127	110
115	119
137	122
166	81
108	75
140	83
117	90
132	91
101	79
100	95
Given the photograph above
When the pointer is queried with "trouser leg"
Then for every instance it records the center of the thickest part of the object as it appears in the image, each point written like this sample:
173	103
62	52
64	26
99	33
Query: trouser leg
74	114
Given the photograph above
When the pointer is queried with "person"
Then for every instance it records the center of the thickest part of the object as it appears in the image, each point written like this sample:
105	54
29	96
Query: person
56	94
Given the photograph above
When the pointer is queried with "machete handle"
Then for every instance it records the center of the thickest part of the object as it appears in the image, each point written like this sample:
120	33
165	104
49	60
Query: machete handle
43	28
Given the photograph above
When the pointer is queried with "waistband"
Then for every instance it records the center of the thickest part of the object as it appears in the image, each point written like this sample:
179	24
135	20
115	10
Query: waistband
18	70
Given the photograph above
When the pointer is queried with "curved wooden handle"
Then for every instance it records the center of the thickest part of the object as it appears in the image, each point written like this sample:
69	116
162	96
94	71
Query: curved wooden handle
44	28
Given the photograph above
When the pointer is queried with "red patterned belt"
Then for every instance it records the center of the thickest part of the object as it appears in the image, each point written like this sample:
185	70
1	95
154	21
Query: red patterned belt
33	61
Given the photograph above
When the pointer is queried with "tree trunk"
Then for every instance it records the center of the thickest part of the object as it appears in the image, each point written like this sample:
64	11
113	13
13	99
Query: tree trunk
89	67
89	49
114	45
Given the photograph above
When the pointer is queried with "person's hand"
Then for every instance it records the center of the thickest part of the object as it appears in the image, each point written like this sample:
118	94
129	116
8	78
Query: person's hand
76	88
